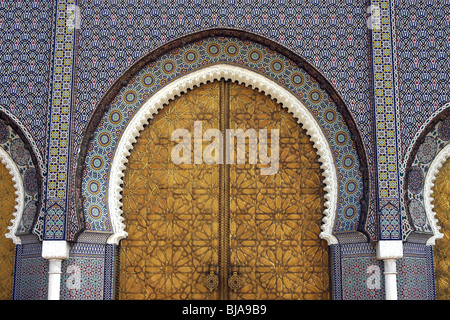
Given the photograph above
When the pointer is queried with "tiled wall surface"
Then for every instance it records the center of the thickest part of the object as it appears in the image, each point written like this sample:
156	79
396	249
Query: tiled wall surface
333	36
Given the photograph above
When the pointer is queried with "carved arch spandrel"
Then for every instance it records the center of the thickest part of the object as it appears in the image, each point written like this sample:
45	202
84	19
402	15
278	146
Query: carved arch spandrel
347	230
242	76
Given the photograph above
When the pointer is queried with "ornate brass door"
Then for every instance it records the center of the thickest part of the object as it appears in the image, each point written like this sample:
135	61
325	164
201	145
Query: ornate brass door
221	231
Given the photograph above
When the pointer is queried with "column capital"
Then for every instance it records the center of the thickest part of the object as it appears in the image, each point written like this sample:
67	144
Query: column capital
55	249
389	249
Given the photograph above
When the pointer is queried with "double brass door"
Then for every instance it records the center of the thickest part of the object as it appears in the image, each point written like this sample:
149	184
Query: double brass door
223	231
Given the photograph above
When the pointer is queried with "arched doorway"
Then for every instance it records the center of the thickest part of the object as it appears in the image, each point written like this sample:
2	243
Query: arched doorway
221	231
7	247
441	250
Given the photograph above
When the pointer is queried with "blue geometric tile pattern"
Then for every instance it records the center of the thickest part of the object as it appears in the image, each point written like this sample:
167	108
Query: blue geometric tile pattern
37	87
30	273
423	33
415	273
386	123
423	45
12	143
25	55
434	141
88	274
60	125
331	35
358	265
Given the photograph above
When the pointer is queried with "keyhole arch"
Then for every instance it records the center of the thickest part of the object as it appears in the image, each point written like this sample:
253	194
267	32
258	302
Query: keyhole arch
174	241
195	79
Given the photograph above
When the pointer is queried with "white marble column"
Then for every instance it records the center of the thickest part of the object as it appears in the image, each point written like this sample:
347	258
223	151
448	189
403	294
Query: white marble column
390	251
55	252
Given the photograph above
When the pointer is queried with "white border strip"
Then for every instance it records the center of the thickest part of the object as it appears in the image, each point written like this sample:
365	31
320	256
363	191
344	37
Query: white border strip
433	171
196	78
12	168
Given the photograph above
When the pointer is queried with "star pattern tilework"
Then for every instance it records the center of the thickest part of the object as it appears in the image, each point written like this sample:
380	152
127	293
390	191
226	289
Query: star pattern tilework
25	55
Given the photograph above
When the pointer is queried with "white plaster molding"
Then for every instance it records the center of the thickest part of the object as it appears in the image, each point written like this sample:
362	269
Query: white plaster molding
196	78
430	177
13	170
419	132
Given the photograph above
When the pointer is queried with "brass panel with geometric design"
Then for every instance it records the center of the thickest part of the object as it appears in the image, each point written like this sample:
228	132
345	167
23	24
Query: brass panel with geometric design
221	231
7	248
275	219
171	211
441	194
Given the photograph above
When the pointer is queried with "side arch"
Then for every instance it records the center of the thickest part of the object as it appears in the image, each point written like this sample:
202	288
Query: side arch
18	155
427	156
155	75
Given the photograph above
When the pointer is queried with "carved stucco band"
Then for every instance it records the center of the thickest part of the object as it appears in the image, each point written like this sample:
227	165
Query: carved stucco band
13	170
196	78
433	170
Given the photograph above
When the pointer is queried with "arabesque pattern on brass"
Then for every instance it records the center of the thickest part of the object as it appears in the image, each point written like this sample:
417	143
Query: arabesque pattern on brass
275	219
7	248
442	249
192	225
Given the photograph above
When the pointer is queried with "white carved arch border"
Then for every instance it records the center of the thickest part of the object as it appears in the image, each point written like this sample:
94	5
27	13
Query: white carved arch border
13	170
433	170
196	78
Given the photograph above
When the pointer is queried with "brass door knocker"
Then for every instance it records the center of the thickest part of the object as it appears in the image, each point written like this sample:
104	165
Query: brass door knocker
211	280
235	281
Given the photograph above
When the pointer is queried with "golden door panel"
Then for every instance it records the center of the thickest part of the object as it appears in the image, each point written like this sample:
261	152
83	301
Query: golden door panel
442	248
7	200
275	219
259	234
171	210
